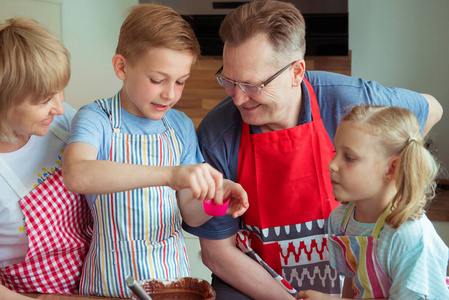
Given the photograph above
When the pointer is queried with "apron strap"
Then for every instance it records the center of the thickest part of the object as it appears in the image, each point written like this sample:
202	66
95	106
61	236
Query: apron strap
62	134
12	179
313	101
381	221
379	224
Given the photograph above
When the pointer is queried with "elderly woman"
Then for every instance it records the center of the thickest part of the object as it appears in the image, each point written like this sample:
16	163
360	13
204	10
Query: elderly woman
43	237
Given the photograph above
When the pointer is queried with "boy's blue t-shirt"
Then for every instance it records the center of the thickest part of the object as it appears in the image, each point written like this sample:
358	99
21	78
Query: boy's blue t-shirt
91	125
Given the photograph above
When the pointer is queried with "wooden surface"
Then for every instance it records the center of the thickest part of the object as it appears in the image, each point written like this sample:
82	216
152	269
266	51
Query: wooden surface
439	207
63	297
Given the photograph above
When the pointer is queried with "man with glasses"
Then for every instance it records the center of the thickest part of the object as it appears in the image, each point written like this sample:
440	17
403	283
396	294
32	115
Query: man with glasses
273	136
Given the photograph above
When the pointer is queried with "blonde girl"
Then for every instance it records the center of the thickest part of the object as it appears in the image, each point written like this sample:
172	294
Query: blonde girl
380	238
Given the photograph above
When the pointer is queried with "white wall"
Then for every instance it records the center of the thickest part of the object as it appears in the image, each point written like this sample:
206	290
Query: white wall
90	32
38	10
404	43
89	29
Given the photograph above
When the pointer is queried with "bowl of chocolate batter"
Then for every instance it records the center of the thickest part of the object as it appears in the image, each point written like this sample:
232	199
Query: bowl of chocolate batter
184	288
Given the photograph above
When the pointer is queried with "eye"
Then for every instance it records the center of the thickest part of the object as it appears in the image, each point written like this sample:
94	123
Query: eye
349	158
153	81
46	100
180	83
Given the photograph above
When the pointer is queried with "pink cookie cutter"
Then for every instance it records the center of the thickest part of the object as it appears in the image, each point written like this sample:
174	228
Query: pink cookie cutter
215	210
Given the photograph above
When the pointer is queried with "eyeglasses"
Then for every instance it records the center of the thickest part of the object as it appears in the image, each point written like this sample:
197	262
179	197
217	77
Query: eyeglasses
247	88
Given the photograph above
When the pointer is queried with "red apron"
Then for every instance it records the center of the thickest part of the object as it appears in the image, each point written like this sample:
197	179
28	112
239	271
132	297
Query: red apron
56	222
287	180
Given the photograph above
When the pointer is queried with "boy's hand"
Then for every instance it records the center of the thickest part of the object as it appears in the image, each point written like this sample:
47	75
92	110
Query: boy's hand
238	198
203	180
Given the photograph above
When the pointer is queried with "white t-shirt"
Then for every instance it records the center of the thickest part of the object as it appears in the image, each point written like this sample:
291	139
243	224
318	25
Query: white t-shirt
35	161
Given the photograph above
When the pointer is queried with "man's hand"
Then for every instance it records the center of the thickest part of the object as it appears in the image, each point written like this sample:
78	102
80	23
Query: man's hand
238	198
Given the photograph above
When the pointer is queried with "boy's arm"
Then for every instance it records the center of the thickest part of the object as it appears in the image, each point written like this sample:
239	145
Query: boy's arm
84	174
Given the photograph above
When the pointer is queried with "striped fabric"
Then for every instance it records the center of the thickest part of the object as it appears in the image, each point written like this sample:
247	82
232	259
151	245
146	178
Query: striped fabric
357	255
136	232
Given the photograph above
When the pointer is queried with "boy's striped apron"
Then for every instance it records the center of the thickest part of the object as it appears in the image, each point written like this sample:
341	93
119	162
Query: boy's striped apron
358	255
136	232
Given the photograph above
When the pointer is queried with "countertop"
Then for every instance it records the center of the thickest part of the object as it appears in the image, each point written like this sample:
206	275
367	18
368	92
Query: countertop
63	297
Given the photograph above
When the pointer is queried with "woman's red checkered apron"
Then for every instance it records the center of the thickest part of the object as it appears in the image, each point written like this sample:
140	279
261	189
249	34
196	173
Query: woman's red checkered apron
56	222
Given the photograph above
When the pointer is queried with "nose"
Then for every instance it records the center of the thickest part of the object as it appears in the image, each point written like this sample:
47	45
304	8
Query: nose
239	96
168	91
58	108
332	166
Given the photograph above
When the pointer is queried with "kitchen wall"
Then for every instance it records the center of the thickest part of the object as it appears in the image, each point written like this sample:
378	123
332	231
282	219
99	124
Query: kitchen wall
398	43
405	43
90	30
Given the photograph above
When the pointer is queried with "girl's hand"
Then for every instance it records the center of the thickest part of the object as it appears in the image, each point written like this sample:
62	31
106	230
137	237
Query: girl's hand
203	180
313	295
238	203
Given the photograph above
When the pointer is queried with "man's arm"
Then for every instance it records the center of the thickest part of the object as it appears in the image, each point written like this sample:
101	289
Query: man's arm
435	113
237	269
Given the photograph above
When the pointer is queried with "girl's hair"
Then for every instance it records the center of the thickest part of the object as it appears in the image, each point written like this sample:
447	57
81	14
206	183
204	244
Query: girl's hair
416	169
153	25
34	64
281	22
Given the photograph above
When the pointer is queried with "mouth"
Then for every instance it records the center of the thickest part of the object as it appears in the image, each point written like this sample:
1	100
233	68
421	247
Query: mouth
334	182
249	108
159	107
47	121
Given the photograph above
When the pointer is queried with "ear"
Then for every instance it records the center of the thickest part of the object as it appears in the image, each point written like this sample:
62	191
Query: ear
299	67
119	63
391	173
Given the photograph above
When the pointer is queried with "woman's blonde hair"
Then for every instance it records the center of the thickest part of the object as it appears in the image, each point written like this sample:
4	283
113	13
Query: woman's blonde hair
153	25
281	22
33	64
416	169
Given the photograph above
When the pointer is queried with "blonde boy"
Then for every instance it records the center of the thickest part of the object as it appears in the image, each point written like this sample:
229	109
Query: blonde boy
134	156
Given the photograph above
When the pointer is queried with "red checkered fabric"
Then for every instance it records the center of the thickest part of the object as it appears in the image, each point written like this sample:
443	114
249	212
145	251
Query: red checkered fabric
57	222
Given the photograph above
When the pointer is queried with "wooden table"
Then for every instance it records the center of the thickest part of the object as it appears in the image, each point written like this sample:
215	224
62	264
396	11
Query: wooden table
64	297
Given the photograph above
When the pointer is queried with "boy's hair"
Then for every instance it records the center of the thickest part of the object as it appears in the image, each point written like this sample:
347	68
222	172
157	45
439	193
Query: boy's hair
281	22
34	64
416	169
153	25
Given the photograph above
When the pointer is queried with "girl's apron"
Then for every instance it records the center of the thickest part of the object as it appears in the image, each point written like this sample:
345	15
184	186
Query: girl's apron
136	232
56	221
357	255
287	180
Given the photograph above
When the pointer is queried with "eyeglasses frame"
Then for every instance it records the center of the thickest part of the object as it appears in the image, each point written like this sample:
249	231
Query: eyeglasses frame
260	87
